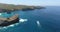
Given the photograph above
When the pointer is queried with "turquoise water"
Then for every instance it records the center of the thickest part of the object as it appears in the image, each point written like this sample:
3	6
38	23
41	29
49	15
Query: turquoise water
49	21
5	15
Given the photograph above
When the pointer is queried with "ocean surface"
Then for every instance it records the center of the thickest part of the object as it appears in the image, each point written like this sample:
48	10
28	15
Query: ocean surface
39	20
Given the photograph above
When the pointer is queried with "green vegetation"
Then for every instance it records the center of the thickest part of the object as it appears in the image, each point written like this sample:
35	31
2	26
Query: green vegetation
11	7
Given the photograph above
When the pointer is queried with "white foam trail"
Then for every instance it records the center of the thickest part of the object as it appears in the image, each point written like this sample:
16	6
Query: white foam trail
0	13
11	25
5	27
38	23
16	23
22	20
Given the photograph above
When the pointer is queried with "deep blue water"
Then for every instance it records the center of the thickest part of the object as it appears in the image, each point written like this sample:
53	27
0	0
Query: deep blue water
49	19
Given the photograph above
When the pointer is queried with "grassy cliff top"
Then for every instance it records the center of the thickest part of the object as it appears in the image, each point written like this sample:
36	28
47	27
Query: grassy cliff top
11	6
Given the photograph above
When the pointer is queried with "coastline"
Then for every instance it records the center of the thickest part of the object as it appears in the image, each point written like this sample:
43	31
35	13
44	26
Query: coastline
10	7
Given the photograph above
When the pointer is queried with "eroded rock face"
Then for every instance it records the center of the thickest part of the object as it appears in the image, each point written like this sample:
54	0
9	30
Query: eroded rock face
9	21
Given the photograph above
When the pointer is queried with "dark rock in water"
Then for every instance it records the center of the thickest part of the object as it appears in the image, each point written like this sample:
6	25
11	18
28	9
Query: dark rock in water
8	12
9	21
27	9
38	7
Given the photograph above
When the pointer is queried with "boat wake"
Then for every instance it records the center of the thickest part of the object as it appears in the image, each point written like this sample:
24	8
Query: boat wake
38	24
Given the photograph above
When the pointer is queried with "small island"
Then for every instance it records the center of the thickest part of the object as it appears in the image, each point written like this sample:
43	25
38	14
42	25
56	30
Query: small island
9	21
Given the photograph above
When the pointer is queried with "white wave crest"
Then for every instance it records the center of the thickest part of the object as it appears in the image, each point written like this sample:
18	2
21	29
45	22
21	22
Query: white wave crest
23	20
38	23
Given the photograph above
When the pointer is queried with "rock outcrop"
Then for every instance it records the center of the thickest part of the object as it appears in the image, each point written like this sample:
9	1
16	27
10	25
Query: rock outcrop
9	21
